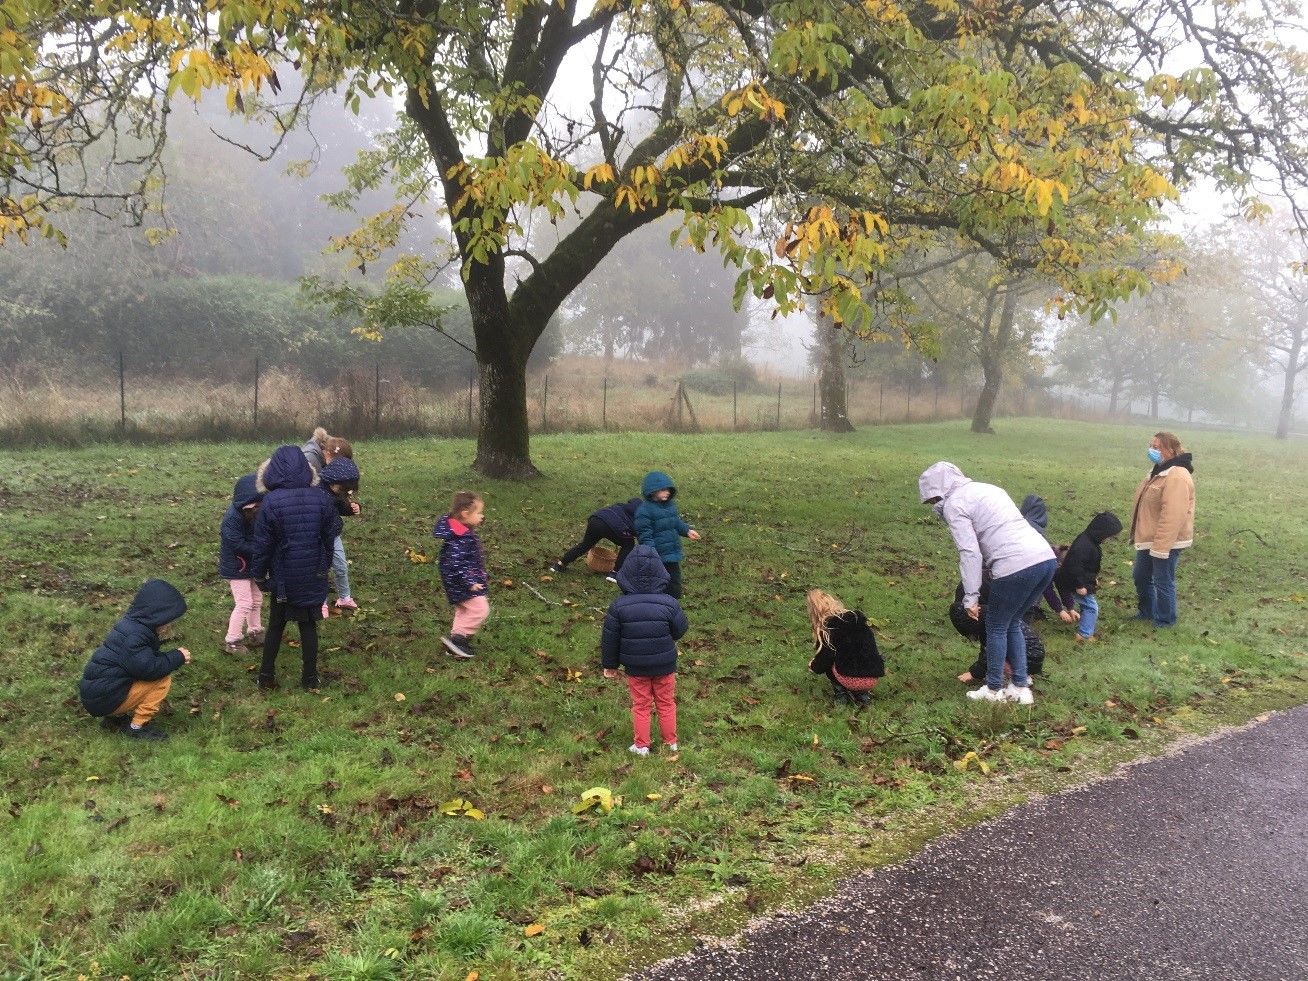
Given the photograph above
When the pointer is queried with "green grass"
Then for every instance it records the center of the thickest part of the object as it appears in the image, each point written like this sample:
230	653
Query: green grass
292	835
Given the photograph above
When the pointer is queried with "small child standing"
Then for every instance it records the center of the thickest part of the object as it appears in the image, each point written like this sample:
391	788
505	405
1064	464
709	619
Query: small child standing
463	571
293	537
614	524
236	544
1078	576
845	649
658	523
320	451
641	630
128	677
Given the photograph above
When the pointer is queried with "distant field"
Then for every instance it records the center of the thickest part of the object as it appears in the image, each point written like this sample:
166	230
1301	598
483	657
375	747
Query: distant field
291	835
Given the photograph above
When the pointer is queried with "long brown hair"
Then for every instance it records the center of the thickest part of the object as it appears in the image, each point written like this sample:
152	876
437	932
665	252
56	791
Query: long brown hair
463	502
821	606
1170	443
338	446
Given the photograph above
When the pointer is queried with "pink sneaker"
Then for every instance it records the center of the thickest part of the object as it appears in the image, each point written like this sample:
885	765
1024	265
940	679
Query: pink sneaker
346	603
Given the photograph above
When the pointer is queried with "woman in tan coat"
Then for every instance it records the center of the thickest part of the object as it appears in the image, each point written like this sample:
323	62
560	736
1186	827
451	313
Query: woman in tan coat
1162	523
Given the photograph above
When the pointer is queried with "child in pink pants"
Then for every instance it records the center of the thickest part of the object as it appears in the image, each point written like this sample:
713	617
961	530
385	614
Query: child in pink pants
463	571
236	535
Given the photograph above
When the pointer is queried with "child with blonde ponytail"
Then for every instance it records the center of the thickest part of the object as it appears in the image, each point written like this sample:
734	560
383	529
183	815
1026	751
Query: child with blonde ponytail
845	649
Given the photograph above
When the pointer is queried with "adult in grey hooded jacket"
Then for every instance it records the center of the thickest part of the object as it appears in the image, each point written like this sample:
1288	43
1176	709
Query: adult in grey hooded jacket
992	536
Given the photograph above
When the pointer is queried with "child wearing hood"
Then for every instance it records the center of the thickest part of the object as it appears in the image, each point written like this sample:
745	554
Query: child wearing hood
1078	577
128	676
463	571
641	630
658	523
614	524
236	543
293	537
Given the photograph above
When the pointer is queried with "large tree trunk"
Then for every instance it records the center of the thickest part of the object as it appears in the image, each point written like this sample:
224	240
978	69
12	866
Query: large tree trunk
1292	367
992	361
503	438
1153	404
1113	394
831	379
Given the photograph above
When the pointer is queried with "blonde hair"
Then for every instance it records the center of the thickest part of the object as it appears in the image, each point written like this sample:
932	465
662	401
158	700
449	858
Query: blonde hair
320	436
1171	444
463	502
821	606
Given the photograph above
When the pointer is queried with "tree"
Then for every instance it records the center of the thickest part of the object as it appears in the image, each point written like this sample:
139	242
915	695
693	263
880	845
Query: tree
859	124
832	352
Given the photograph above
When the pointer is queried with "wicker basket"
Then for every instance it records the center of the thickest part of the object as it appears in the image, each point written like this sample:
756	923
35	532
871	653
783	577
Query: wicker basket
601	560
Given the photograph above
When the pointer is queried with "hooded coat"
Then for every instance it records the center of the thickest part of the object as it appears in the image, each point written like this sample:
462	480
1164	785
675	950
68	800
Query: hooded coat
1162	517
462	561
1080	568
853	649
620	519
131	651
343	474
659	523
1036	513
294	532
236	533
643	625
987	527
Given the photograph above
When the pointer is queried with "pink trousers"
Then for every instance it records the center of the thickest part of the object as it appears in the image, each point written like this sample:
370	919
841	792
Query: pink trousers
651	693
469	615
245	616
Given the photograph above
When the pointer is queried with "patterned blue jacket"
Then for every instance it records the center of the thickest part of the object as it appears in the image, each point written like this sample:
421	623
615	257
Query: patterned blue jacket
462	563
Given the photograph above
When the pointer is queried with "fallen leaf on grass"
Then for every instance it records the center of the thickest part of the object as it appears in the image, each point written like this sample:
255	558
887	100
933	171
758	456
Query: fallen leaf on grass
416	557
462	808
653	796
600	797
473	976
399	696
546	789
231	802
968	759
1078	730
326	809
533	930
92	779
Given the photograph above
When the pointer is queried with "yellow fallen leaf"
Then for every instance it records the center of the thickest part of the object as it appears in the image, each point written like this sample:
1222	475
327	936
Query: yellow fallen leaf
399	696
473	976
533	930
92	779
653	796
1078	730
326	809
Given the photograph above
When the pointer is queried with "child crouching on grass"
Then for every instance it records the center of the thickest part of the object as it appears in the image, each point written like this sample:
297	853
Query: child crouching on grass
463	571
845	649
128	677
641	630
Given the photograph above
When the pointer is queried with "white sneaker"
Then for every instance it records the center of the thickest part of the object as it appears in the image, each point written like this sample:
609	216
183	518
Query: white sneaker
638	750
987	694
1022	696
672	748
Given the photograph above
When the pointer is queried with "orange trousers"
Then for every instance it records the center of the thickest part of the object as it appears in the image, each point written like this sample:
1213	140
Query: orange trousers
144	698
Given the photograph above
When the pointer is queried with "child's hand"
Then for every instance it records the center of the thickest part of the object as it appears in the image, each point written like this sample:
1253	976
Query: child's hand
1076	615
974	611
1065	616
693	535
476	587
354	507
610	673
186	655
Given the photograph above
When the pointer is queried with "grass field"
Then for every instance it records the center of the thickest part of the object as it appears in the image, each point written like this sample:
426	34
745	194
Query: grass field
293	835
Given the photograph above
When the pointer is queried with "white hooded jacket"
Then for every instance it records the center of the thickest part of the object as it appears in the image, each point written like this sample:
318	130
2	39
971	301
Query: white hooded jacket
988	529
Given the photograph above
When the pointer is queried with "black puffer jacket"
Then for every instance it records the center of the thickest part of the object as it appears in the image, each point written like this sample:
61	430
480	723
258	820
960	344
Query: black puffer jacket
236	533
643	625
131	651
294	532
1080	568
853	648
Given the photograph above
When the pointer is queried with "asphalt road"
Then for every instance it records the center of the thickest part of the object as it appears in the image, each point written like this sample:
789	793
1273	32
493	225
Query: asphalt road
1188	866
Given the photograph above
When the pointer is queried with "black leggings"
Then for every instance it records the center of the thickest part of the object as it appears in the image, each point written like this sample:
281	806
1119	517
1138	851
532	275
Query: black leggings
272	641
596	532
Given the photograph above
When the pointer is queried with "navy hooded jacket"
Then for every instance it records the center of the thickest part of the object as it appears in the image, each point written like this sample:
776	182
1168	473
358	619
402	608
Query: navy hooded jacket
1080	568
1036	514
462	564
294	532
643	625
131	651
236	534
659	523
620	518
341	473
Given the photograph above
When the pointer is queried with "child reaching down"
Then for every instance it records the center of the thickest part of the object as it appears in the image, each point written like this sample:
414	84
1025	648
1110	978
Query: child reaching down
463	571
845	649
641	630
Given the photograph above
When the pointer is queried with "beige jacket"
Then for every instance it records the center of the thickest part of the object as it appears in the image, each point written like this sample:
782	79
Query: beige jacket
1163	515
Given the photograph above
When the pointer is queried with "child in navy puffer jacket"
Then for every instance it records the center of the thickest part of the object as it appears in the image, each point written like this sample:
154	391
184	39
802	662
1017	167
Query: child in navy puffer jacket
236	543
641	630
293	538
463	571
614	524
659	523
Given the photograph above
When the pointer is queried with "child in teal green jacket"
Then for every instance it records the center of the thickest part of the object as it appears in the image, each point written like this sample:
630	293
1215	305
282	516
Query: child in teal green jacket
658	523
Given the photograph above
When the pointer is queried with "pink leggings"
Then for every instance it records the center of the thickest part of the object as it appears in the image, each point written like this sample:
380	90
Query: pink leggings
249	601
469	615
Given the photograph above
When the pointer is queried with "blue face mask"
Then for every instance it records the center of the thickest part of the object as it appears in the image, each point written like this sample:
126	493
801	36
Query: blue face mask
1155	455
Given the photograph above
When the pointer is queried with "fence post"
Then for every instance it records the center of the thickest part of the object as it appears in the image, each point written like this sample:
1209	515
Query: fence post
778	406
376	398
471	377
935	411
733	405
676	400
908	411
122	394
256	395
881	400
812	416
604	410
545	406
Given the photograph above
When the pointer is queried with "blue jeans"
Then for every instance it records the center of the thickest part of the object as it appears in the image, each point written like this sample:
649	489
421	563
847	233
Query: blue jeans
1155	587
1088	607
341	569
1010	597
